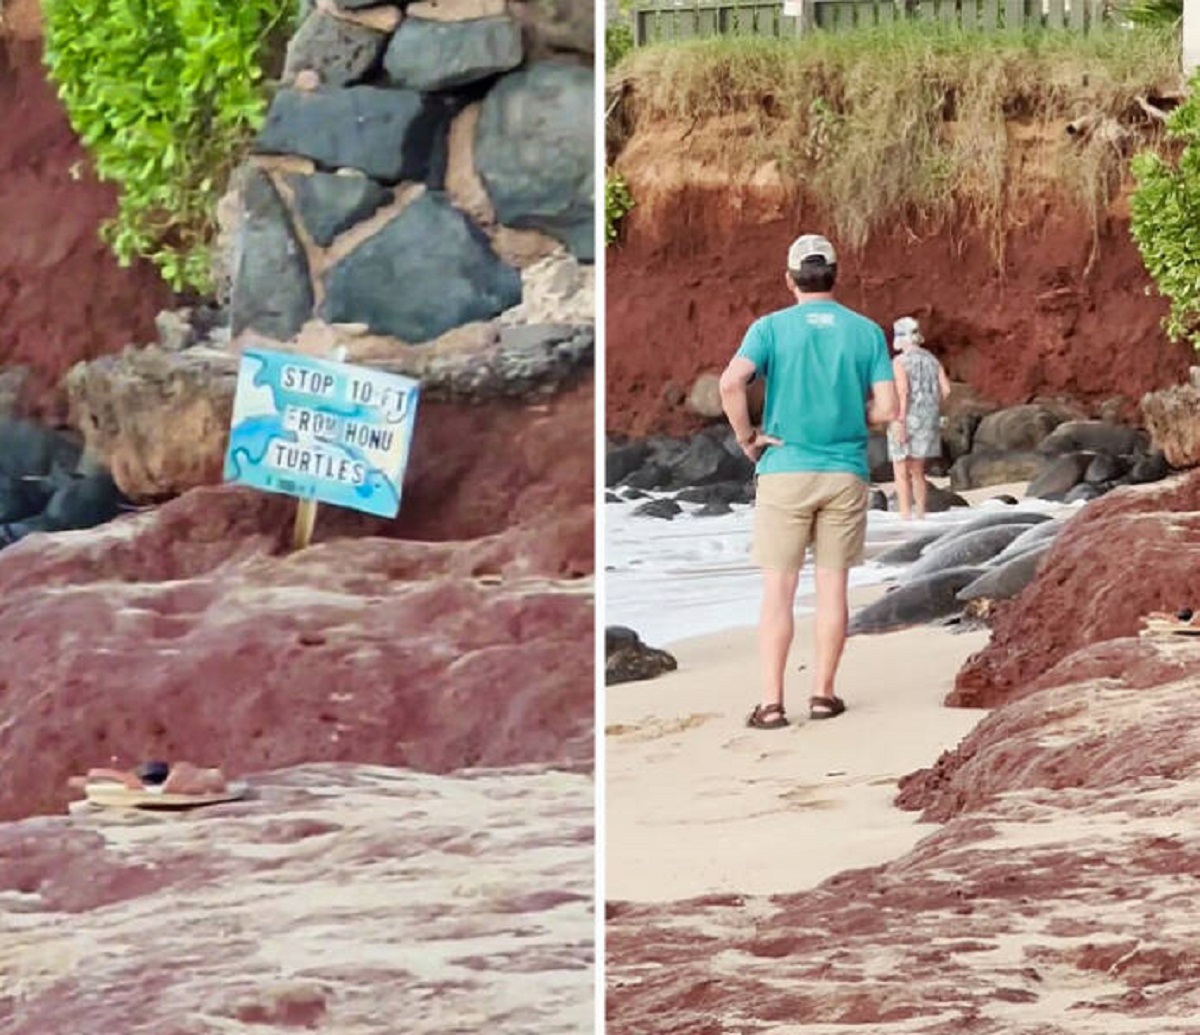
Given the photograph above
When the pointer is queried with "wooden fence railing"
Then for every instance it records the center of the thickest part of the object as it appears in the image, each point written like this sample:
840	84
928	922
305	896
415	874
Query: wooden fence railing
660	20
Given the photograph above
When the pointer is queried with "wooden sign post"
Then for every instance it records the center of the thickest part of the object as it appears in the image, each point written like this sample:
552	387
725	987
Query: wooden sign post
306	510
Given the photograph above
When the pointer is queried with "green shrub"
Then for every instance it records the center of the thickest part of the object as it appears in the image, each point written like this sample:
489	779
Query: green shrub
618	201
165	95
618	41
1166	217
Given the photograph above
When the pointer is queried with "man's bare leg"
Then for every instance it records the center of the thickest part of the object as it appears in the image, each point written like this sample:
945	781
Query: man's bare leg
903	490
776	625
920	488
829	628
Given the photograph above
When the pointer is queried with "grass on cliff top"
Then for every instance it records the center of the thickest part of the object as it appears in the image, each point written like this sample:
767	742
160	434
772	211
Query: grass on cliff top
909	119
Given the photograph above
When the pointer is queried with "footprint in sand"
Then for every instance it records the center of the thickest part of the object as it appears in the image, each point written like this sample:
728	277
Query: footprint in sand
656	729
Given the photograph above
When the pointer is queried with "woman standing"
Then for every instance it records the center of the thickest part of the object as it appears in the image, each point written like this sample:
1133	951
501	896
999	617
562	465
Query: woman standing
916	435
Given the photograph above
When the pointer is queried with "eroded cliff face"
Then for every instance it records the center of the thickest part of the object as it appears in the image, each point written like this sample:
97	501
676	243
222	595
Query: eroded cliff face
63	296
1066	311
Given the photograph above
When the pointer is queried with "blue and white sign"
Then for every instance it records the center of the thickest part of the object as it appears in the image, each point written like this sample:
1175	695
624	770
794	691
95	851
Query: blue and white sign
321	430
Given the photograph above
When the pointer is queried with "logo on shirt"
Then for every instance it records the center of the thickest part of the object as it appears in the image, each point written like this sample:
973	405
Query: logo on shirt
819	319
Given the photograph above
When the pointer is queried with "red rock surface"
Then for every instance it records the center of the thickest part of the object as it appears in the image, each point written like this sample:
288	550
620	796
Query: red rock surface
63	296
337	899
1135	551
184	633
696	267
1067	905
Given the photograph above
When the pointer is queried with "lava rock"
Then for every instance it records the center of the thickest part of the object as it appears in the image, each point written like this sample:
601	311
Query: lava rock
1094	436
1060	476
434	55
272	290
715	509
667	510
534	152
340	52
390	135
1152	467
426	272
330	204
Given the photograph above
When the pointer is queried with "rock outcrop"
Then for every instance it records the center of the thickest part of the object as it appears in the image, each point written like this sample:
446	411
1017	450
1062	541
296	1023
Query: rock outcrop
334	899
1173	419
1135	551
183	633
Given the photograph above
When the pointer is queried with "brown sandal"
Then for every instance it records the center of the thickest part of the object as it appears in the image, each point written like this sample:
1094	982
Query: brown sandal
825	707
758	718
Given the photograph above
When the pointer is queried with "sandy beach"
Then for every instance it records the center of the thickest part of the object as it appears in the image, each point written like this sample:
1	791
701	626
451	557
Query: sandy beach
699	804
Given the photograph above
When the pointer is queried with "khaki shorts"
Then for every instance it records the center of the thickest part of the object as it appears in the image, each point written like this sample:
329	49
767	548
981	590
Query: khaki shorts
794	510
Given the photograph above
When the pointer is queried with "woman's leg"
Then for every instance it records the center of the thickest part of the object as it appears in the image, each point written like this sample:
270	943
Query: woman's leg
903	490
916	466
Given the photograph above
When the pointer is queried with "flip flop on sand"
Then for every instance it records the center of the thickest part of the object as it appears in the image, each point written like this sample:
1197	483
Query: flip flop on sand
1182	623
111	795
158	785
825	707
759	718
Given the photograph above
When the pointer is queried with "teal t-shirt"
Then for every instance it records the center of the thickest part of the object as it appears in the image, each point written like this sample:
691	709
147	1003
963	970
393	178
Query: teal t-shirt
819	360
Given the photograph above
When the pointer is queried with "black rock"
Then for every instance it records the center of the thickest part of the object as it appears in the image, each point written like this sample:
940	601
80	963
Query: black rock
21	498
665	509
715	509
390	135
621	460
651	476
878	500
634	494
426	272
534	152
1005	498
328	204
28	450
85	503
611	497
272	290
433	55
718	492
340	52
704	460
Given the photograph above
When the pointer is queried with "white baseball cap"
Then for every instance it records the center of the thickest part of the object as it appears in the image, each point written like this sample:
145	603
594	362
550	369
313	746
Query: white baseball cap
810	246
907	327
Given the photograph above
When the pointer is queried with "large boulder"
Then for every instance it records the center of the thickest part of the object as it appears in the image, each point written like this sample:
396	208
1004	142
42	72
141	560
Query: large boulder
711	456
390	135
1172	418
1095	436
987	467
293	864
1016	429
534	152
272	288
436	55
427	271
158	420
186	634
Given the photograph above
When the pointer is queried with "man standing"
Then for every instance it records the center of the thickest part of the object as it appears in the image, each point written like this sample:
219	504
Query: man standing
828	376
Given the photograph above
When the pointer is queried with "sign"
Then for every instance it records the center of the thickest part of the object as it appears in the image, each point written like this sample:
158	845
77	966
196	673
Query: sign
321	430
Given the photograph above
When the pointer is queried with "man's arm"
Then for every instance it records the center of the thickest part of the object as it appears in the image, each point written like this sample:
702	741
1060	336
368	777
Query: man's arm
734	401
883	407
